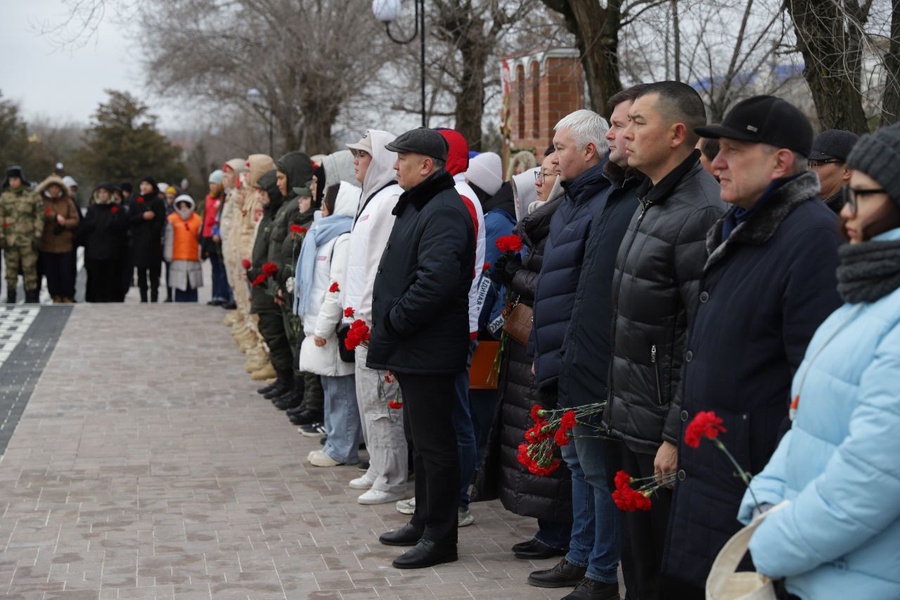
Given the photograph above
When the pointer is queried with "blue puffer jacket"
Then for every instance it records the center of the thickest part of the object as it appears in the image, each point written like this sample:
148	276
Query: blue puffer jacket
554	293
840	535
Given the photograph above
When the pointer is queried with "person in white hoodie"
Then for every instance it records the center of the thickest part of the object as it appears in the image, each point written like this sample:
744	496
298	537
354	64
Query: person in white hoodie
320	274
385	479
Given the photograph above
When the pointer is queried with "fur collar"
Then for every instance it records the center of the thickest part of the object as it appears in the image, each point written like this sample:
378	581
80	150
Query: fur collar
763	222
425	191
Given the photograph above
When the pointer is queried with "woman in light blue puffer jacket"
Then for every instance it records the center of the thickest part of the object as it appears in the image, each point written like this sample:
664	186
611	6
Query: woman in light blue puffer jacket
839	466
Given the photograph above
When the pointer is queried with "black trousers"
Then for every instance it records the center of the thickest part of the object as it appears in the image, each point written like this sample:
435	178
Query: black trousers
271	327
104	281
152	272
428	420
59	269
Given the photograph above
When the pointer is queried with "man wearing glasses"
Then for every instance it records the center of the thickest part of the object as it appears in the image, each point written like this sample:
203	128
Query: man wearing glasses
828	160
768	282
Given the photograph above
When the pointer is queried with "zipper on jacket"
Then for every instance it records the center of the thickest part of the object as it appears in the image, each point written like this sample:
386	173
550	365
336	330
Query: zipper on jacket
656	371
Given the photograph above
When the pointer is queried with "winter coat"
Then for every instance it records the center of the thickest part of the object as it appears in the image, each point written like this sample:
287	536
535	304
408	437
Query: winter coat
146	236
181	249
22	218
102	232
260	299
499	221
56	238
840	535
325	311
586	353
285	249
211	214
374	221
658	270
245	226
563	256
420	297
521	492
763	293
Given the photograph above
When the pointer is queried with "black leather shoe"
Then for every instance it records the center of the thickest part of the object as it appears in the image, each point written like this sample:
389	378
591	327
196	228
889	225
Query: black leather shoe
295	411
407	535
534	549
426	554
288	401
588	589
280	389
215	303
564	574
307	417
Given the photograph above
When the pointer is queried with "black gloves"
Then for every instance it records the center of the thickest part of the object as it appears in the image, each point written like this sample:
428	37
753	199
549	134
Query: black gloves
505	268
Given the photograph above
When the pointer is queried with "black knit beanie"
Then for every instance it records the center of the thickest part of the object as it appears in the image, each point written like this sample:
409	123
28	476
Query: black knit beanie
878	156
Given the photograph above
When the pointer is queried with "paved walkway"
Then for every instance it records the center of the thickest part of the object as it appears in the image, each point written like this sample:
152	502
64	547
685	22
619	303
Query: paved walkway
145	466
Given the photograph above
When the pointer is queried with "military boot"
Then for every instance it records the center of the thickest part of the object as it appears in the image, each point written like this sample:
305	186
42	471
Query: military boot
11	296
32	296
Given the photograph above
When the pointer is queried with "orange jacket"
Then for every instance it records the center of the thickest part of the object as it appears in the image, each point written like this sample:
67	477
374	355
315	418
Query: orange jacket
186	236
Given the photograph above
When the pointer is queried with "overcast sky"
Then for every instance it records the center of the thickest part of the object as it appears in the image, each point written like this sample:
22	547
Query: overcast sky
66	84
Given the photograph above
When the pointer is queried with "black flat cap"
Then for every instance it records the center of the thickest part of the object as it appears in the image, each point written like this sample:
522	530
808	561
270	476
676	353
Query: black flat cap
765	120
427	142
833	143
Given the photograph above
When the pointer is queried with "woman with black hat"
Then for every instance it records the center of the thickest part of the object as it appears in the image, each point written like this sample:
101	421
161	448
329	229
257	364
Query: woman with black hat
147	218
102	233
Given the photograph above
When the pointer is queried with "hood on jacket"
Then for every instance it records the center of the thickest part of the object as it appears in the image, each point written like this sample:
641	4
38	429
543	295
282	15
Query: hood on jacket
257	164
238	165
268	182
338	168
381	169
347	201
103	185
458	152
524	192
298	168
184	198
44	186
149	180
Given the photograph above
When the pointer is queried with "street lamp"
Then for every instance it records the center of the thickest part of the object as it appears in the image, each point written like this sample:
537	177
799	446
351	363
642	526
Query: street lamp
254	97
387	12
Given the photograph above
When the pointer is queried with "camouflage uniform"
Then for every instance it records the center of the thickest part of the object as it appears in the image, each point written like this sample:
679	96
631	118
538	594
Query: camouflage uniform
22	219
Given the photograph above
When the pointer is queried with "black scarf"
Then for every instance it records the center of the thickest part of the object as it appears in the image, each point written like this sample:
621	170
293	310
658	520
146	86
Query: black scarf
868	271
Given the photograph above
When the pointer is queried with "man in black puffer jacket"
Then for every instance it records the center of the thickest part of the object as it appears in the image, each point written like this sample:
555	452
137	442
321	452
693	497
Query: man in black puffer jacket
420	331
655	288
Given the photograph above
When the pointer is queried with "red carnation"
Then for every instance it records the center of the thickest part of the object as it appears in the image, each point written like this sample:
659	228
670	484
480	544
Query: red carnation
260	279
48	211
395	404
269	269
298	230
245	263
509	243
358	334
114	209
561	437
626	497
389	377
486	267
140	200
334	288
568	421
704	425
349	312
536	413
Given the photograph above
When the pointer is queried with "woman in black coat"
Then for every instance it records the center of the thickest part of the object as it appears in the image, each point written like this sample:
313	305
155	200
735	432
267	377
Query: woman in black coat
147	218
102	233
547	498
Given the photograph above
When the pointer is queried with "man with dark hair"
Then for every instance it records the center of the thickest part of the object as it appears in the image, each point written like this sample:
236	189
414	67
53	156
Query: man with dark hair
708	148
767	283
654	293
420	315
828	160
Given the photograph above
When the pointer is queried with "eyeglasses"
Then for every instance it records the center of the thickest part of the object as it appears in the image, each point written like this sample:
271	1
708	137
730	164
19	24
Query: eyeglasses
539	177
815	164
851	194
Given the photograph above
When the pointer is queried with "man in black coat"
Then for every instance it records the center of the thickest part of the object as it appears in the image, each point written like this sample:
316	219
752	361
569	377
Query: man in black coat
420	332
146	219
768	282
654	294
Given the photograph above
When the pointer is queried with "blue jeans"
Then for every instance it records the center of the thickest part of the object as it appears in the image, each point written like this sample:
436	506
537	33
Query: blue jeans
186	296
596	526
342	424
466	449
220	288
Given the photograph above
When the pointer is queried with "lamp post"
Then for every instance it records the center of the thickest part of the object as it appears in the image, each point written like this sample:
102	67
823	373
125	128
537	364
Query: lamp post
254	97
387	12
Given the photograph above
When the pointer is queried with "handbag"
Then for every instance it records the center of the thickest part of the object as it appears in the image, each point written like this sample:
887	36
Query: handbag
725	583
518	324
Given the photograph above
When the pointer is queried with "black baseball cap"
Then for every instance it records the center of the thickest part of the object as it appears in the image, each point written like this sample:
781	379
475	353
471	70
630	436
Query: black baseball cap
833	143
764	120
427	142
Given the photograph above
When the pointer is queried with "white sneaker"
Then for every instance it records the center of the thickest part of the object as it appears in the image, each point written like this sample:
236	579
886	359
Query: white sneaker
464	518
378	497
318	458
406	507
362	483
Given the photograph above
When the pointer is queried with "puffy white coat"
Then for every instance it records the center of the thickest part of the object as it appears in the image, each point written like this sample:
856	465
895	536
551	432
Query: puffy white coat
473	203
325	310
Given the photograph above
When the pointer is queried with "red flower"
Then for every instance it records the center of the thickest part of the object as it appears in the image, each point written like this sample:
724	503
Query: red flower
568	421
269	269
349	312
626	497
6	224
509	243
260	279
536	413
245	263
358	334
298	230
395	404
561	438
114	209
486	267
389	377
140	200
704	425
48	211
334	288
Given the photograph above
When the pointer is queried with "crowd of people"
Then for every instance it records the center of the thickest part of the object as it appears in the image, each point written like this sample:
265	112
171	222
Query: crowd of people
744	273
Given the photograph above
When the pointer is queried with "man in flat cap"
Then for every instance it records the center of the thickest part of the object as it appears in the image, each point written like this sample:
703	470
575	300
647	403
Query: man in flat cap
420	332
828	160
768	282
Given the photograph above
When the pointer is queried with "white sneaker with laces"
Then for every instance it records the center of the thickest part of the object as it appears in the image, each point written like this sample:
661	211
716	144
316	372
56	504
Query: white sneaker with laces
464	518
318	458
378	497
362	483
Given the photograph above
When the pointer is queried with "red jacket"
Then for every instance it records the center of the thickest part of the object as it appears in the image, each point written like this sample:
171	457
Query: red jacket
211	214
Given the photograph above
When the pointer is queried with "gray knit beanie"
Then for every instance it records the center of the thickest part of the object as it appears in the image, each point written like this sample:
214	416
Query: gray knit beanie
878	156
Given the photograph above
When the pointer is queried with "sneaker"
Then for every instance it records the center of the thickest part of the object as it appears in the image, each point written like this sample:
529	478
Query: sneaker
378	497
464	518
363	466
312	430
362	483
406	507
318	458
